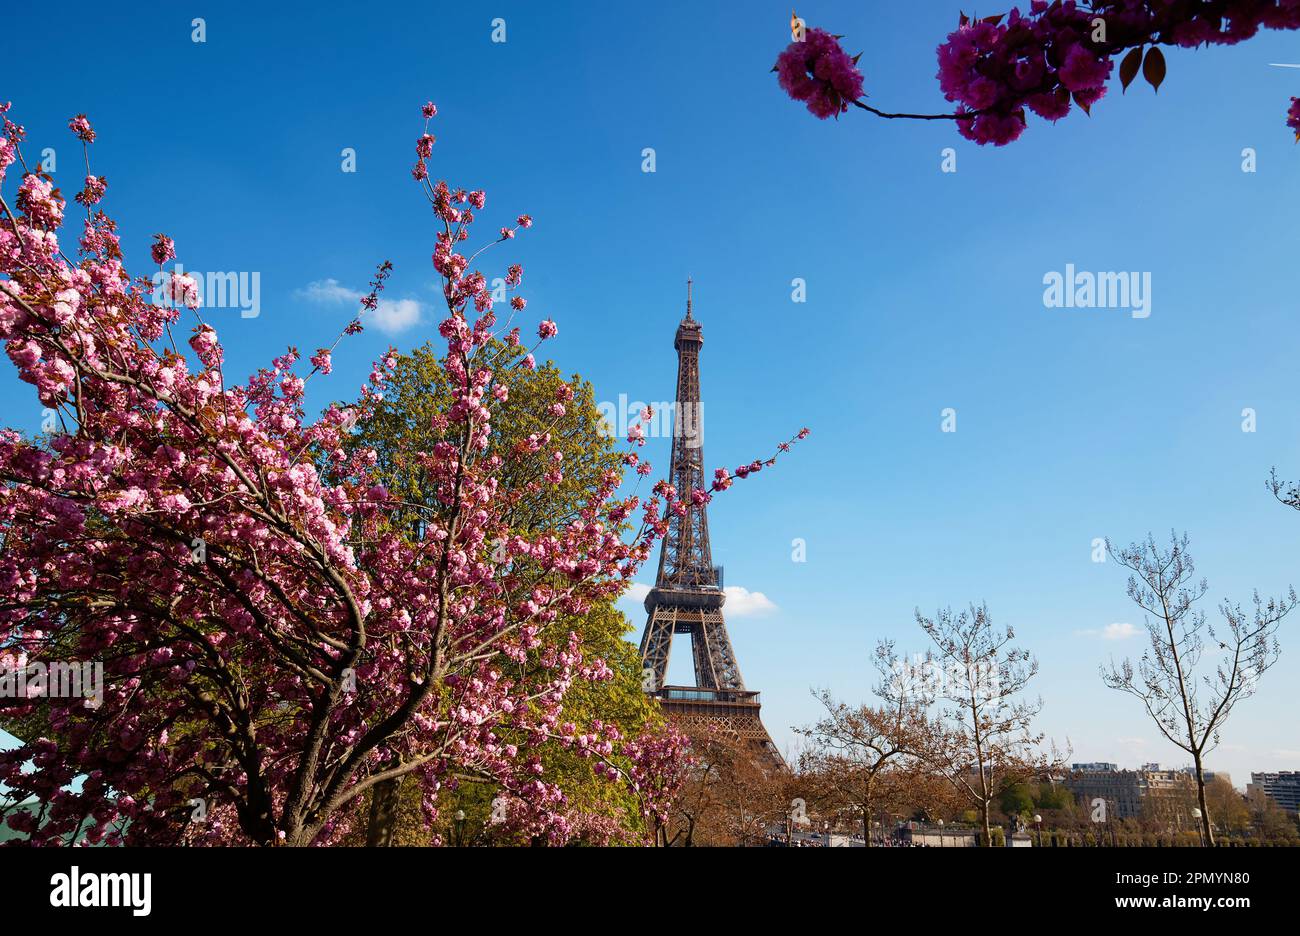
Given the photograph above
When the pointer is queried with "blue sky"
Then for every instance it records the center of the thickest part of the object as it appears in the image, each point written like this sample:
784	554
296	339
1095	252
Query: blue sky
924	291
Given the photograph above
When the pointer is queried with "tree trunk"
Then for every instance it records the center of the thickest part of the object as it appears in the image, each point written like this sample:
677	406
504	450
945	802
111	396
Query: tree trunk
866	824
1206	829
988	830
383	813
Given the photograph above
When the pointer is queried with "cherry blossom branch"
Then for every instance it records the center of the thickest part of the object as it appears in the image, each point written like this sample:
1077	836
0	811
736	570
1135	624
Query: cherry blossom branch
959	115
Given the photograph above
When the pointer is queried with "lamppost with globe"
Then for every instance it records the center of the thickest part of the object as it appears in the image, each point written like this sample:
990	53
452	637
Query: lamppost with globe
459	822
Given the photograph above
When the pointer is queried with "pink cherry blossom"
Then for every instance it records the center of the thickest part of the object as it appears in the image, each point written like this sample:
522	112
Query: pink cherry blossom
81	127
274	640
1044	60
163	249
818	72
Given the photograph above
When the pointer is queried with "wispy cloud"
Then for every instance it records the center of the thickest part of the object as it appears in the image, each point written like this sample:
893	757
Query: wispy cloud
1110	632
327	292
390	316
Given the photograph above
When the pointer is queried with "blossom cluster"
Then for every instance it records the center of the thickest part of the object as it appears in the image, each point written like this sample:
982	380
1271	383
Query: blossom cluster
275	641
1046	60
818	72
1061	54
660	765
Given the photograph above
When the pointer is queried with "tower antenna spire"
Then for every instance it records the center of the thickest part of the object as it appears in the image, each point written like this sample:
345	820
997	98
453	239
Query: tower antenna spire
688	595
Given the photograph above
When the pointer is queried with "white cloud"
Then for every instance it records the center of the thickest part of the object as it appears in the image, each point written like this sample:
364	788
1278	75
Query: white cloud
741	602
390	316
394	315
1110	632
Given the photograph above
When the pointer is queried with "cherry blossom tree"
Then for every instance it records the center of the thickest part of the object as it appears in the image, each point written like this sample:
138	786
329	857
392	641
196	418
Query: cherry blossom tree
273	646
1046	60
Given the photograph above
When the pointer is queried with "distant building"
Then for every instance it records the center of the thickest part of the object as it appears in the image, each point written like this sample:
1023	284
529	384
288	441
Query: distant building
1126	792
1282	788
1121	789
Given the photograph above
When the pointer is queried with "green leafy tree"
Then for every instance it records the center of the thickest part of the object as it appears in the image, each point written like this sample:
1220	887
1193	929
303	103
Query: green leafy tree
1052	796
542	404
1016	799
401	428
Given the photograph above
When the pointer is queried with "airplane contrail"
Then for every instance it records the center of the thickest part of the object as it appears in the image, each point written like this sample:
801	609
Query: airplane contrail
1282	65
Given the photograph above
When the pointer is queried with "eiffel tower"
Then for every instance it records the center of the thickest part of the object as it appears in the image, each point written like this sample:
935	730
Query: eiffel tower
688	597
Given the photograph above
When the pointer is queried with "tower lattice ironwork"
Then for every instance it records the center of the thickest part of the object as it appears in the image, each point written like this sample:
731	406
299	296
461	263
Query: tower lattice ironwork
688	597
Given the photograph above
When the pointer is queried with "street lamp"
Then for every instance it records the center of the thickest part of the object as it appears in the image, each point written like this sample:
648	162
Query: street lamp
941	833
1038	826
1200	833
460	827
